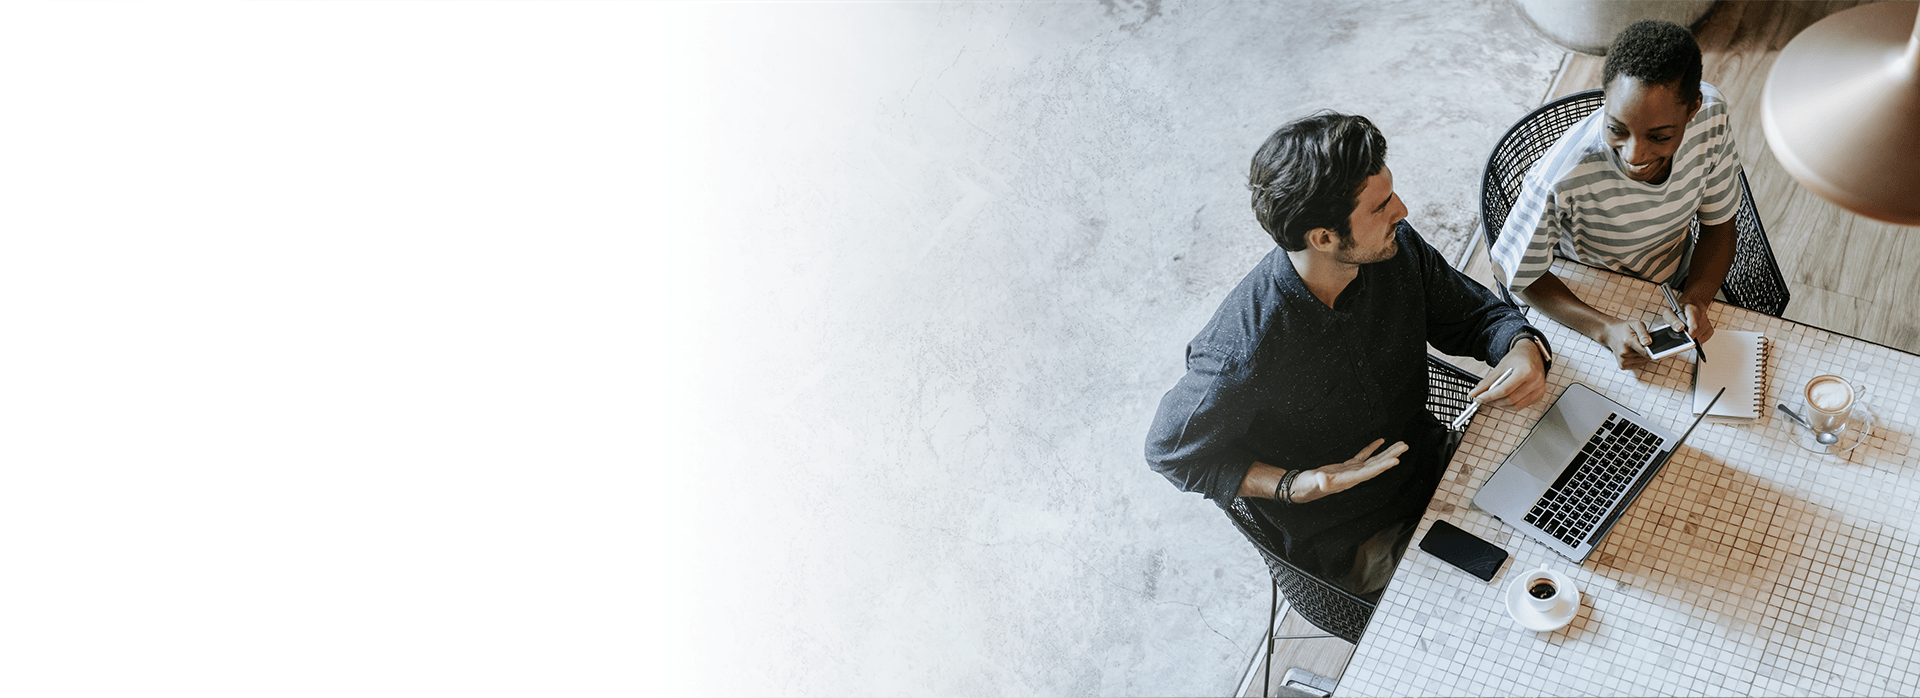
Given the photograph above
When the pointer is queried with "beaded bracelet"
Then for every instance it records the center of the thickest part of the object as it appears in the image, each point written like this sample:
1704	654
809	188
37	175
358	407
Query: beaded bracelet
1283	490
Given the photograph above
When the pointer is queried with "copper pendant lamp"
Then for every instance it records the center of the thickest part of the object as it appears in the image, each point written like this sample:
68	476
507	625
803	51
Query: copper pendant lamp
1842	110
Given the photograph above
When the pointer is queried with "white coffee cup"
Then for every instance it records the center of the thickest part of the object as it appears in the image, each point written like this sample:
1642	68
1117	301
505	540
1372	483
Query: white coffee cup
1544	587
1830	400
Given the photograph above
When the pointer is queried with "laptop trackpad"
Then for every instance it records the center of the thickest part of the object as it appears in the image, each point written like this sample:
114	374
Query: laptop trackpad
1550	446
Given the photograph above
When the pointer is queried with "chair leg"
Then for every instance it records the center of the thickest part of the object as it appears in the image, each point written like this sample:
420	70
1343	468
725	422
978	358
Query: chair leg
1273	609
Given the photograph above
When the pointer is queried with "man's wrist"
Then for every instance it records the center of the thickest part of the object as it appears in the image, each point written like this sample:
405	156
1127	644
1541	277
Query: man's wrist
1539	344
1306	486
1283	488
1539	350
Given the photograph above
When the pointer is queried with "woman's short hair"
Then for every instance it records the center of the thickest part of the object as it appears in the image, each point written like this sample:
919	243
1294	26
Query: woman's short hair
1656	53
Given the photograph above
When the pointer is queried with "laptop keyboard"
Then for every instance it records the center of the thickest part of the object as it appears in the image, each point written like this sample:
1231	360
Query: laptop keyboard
1603	469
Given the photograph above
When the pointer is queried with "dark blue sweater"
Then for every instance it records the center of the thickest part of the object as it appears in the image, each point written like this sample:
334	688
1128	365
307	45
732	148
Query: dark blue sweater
1279	377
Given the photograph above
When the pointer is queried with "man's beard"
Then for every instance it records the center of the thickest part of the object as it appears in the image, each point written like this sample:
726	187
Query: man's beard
1347	255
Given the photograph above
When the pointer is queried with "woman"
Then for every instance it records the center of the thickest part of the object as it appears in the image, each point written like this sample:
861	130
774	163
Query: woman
1621	187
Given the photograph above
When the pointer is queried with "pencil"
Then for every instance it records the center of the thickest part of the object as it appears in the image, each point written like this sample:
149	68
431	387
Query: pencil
1674	304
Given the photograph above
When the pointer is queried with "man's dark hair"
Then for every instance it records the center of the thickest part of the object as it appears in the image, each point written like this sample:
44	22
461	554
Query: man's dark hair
1309	174
1656	53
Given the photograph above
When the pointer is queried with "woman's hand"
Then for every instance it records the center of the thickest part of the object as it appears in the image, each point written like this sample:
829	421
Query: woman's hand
1628	341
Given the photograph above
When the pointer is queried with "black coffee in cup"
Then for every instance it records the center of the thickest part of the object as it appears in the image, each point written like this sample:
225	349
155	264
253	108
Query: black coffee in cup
1542	589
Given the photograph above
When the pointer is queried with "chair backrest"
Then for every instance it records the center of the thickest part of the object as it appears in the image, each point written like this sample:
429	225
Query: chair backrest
1329	606
1447	388
1324	604
1516	152
1753	282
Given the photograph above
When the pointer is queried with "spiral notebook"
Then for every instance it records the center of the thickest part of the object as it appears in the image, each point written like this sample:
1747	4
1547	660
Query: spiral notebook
1736	361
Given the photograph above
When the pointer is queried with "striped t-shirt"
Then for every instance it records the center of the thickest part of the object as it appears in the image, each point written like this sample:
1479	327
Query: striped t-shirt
1578	197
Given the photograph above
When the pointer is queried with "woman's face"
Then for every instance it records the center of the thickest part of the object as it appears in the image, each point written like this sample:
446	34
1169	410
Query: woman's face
1645	124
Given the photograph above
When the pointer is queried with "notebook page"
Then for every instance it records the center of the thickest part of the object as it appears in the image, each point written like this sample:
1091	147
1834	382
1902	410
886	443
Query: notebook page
1735	361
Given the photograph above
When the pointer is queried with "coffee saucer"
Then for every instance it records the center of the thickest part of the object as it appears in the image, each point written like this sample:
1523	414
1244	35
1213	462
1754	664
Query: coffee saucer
1858	427
1562	613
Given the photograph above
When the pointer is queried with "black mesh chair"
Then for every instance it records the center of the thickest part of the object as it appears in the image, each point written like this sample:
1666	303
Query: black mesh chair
1753	282
1328	606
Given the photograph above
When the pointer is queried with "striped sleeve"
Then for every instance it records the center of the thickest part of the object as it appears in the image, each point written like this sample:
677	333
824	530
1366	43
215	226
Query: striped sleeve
1720	192
1524	250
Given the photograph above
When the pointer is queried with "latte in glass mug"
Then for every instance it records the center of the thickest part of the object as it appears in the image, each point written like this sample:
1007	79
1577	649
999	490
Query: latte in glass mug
1829	397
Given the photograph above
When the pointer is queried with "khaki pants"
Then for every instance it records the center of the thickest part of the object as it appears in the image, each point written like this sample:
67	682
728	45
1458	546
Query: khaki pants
1374	562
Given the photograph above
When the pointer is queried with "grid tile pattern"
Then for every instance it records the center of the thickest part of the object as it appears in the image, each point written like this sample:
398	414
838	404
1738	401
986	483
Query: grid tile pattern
1749	566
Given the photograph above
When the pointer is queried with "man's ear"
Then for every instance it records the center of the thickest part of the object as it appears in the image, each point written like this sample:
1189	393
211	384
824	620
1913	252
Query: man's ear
1322	239
1694	108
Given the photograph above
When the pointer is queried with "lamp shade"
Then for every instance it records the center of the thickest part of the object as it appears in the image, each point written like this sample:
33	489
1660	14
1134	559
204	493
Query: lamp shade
1842	110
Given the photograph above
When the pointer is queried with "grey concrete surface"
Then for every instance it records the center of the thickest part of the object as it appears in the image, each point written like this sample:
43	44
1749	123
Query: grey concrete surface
930	268
652	348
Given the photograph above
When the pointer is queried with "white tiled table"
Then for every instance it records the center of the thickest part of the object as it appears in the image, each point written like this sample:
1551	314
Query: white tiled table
1748	567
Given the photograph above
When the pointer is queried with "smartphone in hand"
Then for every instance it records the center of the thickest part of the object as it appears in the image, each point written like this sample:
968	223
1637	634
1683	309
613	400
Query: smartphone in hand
1667	342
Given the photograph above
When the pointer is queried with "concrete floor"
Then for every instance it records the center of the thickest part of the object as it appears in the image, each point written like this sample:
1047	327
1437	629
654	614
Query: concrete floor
936	265
654	348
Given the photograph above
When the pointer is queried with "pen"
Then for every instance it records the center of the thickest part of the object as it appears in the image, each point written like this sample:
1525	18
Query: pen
1474	406
1674	304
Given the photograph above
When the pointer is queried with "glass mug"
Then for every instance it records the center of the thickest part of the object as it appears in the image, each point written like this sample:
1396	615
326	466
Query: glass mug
1830	400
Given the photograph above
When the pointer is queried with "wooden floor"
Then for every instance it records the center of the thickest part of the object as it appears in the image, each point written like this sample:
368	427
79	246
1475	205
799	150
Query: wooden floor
1326	656
1847	274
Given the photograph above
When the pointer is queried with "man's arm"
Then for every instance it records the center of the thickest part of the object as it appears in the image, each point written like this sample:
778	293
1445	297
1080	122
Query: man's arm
1195	434
1466	319
1263	480
1194	440
1528	358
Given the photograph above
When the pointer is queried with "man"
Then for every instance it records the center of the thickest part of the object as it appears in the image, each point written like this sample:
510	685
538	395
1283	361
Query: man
1620	188
1317	360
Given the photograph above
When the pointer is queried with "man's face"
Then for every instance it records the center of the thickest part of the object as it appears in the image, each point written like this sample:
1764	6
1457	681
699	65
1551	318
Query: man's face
1375	215
1645	125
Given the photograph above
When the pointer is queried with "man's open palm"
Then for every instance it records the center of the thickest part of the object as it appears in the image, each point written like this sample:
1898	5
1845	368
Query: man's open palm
1349	473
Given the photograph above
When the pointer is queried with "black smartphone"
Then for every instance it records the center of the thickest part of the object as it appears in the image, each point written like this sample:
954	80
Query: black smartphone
1463	550
1667	342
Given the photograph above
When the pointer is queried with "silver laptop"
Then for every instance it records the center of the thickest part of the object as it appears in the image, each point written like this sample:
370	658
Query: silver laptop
1581	466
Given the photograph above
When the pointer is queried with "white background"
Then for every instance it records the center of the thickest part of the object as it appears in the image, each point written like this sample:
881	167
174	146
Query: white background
603	348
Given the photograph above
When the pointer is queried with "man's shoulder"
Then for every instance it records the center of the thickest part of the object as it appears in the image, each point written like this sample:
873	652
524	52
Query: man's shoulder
1250	311
1414	249
1419	266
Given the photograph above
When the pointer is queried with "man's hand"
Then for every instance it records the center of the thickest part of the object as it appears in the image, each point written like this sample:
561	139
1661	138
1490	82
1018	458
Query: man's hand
1528	382
1628	340
1695	322
1345	475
